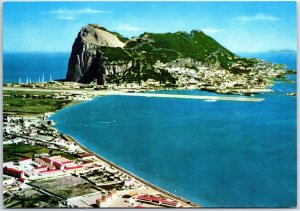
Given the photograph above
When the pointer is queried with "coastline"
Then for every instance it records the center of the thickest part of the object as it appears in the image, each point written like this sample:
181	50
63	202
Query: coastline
99	93
145	184
116	166
141	180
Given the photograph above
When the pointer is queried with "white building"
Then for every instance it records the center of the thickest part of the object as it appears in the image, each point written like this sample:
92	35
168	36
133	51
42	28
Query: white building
25	161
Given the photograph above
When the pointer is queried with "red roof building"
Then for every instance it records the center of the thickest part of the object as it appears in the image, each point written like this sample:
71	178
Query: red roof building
13	172
21	179
160	201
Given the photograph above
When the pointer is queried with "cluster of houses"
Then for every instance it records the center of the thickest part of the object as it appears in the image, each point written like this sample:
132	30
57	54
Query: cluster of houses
11	183
27	126
159	201
221	80
60	95
46	85
107	199
36	168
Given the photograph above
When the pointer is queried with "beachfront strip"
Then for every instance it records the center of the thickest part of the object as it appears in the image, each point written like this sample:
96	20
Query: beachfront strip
38	160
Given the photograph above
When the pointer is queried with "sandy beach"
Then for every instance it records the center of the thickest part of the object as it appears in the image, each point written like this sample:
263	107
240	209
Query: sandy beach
147	184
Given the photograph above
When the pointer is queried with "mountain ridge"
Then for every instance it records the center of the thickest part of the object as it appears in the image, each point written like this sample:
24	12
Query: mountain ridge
108	57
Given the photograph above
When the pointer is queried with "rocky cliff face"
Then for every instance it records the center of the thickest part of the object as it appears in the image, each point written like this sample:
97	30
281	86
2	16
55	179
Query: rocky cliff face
86	63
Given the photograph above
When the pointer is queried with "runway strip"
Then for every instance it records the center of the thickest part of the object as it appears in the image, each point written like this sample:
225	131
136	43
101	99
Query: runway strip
196	97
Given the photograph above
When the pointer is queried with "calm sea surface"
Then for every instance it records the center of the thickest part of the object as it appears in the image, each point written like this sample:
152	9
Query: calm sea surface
218	154
33	65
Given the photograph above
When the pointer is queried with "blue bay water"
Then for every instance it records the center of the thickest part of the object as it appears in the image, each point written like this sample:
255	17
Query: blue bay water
218	154
34	65
222	154
287	58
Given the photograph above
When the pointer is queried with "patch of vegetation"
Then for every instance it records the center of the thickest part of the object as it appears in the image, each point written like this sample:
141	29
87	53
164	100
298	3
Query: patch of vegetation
22	103
35	201
63	154
115	54
291	72
13	152
113	186
149	48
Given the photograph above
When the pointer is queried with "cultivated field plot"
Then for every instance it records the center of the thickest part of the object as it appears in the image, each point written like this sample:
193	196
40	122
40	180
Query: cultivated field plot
66	187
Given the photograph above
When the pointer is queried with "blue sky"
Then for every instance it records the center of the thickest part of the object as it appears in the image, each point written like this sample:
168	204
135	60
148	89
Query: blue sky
239	26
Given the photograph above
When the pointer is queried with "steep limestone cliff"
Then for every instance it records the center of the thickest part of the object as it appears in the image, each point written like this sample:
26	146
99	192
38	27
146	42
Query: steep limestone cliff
86	63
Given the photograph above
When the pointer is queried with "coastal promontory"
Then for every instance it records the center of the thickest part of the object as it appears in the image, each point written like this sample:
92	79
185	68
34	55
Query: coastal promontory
179	59
86	63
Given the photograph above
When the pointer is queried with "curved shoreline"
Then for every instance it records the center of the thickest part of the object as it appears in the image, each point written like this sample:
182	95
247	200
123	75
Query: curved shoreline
179	198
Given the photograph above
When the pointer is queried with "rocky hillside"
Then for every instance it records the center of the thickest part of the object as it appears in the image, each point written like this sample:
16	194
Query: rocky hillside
168	58
85	63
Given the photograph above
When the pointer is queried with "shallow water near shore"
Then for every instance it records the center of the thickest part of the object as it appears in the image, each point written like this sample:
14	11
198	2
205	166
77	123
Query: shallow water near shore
217	154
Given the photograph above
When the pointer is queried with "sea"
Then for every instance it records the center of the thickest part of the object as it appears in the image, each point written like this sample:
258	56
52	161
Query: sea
214	153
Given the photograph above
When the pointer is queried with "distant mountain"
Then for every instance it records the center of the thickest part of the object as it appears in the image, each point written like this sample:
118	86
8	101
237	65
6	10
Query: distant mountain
107	56
283	51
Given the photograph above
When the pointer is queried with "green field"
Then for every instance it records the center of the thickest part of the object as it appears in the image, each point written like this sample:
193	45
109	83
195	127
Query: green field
15	152
22	103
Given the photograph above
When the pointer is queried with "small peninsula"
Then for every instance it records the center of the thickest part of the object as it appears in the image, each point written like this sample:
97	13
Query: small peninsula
178	60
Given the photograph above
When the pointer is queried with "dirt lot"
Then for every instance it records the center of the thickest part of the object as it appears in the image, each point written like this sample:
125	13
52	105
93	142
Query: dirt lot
66	187
29	198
